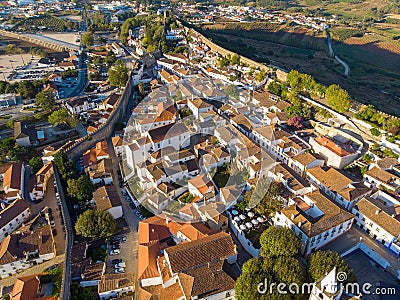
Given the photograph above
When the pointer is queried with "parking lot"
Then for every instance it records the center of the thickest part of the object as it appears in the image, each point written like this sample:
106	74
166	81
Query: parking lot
51	201
127	254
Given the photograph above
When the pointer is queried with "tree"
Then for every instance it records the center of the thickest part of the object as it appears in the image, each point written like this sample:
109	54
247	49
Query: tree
46	99
6	147
80	189
62	116
338	98
10	123
95	224
375	131
26	89
252	274
276	241
261	75
264	197
275	88
296	121
232	91
235	60
36	163
141	89
118	74
322	262
87	39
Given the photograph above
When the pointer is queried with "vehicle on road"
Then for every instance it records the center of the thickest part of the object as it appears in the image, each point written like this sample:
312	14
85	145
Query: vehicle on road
115	247
120	265
119	271
123	239
116	261
114	243
114	252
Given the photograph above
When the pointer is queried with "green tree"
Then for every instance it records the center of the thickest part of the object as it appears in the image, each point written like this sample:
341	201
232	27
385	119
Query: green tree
375	131
275	88
118	74
80	189
141	89
322	262
95	224
10	123
276	241
232	91
87	39
261	75
252	274
62	116
7	146
26	89
36	163
338	98
235	60
46	99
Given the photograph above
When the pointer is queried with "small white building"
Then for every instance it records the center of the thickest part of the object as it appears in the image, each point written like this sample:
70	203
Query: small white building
315	219
115	285
106	198
378	215
12	217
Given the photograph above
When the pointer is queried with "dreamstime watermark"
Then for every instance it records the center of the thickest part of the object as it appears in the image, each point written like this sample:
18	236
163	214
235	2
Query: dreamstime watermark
349	288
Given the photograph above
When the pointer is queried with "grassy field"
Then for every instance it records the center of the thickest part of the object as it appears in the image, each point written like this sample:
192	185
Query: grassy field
373	58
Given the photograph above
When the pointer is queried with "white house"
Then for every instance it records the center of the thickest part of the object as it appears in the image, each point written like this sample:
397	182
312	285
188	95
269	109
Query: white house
315	219
25	249
100	172
12	217
337	186
13	180
198	106
106	198
378	215
115	285
328	288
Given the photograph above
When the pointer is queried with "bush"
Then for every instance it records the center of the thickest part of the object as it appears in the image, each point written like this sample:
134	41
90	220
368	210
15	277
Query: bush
375	132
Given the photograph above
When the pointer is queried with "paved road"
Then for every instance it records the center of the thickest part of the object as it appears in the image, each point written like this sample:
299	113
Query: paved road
64	294
128	254
332	53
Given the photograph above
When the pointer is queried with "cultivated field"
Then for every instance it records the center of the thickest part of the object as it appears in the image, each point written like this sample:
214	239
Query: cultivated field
373	58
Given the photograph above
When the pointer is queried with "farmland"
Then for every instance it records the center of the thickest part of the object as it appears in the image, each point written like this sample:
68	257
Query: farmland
372	57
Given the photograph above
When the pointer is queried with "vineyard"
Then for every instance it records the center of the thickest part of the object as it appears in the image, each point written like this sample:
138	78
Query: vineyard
46	22
268	32
341	34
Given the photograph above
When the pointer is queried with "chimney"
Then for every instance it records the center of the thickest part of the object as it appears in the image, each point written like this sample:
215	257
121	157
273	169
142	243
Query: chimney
377	211
299	224
292	216
166	220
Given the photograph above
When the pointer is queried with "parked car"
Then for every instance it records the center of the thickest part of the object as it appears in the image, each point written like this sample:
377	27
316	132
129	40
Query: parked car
119	271
120	265
123	238
114	243
132	205
115	247
116	261
114	251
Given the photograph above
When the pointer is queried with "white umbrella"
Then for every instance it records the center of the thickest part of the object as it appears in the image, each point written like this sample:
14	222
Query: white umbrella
249	225
234	212
260	219
242	227
237	219
254	221
250	214
248	208
242	217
